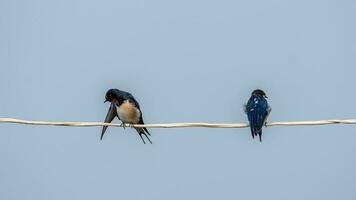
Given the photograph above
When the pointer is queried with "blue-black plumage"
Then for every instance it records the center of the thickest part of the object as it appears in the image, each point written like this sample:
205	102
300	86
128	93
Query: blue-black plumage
257	110
125	107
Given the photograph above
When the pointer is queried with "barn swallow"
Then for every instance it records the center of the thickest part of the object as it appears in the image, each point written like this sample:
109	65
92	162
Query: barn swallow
125	107
257	110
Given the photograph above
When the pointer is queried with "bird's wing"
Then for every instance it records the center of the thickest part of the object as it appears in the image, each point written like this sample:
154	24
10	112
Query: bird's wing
257	111
134	102
250	109
128	96
112	113
245	108
269	109
141	131
262	111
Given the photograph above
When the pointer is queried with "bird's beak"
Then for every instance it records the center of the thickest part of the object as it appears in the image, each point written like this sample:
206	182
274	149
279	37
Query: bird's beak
266	97
105	101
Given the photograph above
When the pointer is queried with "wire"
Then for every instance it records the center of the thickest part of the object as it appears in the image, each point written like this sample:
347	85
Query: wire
178	125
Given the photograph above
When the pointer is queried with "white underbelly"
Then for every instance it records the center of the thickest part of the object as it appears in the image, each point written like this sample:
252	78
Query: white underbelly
128	116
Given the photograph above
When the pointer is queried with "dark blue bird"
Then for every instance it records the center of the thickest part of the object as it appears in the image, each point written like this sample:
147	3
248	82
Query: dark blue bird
257	110
125	107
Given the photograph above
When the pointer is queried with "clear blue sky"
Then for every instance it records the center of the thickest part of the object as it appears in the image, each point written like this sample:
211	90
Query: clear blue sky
184	61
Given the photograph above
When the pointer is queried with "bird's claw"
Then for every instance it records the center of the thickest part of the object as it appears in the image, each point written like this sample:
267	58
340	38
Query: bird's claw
123	125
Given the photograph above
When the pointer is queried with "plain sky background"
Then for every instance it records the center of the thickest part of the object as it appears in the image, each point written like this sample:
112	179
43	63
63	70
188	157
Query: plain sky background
184	61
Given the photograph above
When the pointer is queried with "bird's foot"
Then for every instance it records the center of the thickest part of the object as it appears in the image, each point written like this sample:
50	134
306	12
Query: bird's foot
266	124
123	125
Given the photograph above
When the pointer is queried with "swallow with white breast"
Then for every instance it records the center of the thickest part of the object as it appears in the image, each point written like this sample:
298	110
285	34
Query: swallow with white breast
125	107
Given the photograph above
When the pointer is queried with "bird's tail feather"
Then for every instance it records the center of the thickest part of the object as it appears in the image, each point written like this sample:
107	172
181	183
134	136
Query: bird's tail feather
103	132
252	132
256	132
143	131
260	136
259	132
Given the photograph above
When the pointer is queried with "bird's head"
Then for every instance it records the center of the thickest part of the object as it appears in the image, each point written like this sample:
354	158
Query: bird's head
111	96
259	92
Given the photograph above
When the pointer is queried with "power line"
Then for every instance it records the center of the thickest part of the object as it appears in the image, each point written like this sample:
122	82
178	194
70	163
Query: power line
179	125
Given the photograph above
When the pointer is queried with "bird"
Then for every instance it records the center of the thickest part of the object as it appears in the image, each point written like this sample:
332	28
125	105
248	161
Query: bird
257	110
125	107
